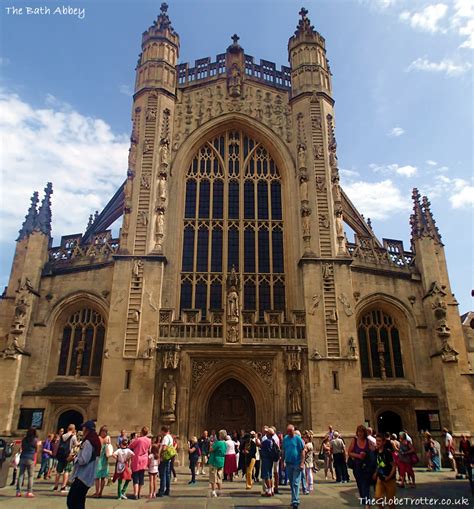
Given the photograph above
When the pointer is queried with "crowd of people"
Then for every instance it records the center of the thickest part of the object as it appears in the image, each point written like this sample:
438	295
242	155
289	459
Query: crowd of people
77	461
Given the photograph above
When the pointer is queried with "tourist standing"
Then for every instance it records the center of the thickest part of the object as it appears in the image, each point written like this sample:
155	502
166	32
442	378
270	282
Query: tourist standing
216	462
84	466
279	468
268	454
46	458
173	459
328	456
122	436
464	449
167	452
434	451
230	462
249	451
67	443
330	433
123	472
371	439
406	459
256	468
29	447
338	452
140	446
153	463
308	461
236	440
193	455
385	473
293	453
204	445
102	472
359	450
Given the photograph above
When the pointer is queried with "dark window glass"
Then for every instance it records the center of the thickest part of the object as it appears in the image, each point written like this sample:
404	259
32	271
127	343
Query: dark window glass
186	295
31	417
263	251
201	297
264	298
364	353
98	351
276	200
249	200
204	197
233	199
262	190
397	353
249	248
233	248
374	352
249	296
202	250
64	354
77	337
190	199
387	354
279	296
188	249
277	240
86	356
216	295
218	197
216	259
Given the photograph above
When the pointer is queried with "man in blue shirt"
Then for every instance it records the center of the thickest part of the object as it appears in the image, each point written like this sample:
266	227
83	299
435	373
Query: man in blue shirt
293	447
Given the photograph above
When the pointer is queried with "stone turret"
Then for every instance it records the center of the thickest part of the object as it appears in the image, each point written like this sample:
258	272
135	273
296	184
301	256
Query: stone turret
29	223
43	220
307	55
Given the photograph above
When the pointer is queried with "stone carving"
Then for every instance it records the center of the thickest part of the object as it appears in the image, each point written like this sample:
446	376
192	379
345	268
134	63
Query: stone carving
234	81
164	157
293	358
127	191
317	151
328	271
263	368
436	289
301	156
145	181
316	300
143	217
147	146
341	239
323	221
150	347
151	302
295	406
304	187
233	307
200	368
344	300
13	349
356	296
320	184
352	347
300	133
333	316
137	266
162	191
170	356
132	155
168	398
159	229
151	114
448	353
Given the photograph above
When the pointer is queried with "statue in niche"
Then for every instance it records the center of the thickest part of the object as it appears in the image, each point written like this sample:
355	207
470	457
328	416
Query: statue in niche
234	81
339	223
328	271
143	218
162	192
233	311
336	188
159	229
306	221
304	187
13	349
137	265
301	156
147	146
21	309
127	191
320	186
132	155
164	156
151	114
150	346
168	396
126	222
295	406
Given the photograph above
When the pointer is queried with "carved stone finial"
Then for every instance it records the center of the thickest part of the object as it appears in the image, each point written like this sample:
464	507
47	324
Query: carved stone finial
235	39
30	219
43	220
304	25
163	21
303	12
90	222
164	7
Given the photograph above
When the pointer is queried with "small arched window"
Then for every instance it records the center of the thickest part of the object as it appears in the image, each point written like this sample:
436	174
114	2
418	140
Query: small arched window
82	344
379	346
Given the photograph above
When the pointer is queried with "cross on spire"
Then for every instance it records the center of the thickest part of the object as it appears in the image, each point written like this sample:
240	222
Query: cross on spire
235	38
164	7
303	12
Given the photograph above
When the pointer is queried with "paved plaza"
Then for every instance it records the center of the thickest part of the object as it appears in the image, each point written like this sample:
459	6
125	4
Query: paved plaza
327	495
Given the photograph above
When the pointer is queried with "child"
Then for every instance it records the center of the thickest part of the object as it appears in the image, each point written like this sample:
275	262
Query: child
194	454
123	456
153	461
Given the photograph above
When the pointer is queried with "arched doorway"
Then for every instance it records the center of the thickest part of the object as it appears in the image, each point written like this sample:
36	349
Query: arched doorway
389	421
70	417
231	407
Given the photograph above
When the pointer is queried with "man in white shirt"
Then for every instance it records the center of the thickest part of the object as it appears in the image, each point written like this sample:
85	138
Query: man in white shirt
164	467
449	447
276	463
371	439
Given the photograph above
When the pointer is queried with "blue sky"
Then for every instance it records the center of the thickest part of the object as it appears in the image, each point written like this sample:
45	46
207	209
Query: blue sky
402	78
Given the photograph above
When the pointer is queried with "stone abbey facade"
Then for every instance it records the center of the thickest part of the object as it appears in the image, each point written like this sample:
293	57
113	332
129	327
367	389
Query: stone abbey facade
233	296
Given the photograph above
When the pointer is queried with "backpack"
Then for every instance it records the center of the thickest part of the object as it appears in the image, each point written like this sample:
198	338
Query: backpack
275	452
168	453
64	449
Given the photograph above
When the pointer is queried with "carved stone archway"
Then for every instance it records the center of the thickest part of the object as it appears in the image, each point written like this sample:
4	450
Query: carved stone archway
209	374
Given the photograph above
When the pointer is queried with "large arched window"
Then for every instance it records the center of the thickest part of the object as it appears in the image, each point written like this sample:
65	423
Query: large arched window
233	218
82	344
379	346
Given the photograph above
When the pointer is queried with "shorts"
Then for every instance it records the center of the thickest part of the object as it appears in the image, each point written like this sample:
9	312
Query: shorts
267	469
385	489
64	467
138	477
215	474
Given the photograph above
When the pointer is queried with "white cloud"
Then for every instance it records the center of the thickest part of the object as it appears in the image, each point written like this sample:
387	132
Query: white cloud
349	174
447	66
463	21
430	162
377	200
395	132
80	155
126	90
428	19
406	171
459	192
